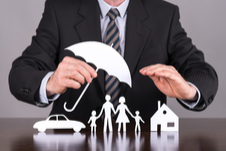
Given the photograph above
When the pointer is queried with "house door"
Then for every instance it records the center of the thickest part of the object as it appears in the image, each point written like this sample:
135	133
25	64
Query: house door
158	128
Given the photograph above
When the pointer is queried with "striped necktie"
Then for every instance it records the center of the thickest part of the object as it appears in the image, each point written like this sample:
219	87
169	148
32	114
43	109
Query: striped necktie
112	84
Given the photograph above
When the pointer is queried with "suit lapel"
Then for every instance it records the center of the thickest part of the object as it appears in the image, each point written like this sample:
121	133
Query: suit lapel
88	27
136	33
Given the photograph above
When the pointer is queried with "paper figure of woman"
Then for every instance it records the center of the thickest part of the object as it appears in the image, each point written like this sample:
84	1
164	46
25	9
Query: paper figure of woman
122	117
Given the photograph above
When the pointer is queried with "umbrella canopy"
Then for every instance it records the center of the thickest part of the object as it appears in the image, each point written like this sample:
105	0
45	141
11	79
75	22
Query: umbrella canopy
103	57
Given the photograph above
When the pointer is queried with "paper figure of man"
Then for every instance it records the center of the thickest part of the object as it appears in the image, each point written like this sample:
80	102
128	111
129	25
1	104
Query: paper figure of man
107	107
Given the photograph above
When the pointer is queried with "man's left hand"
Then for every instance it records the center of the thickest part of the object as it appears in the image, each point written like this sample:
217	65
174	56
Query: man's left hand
170	82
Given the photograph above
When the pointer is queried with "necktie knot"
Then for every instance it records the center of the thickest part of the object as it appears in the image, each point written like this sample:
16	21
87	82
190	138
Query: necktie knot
113	13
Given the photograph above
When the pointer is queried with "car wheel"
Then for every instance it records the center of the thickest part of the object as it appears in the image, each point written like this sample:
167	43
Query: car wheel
77	129
41	130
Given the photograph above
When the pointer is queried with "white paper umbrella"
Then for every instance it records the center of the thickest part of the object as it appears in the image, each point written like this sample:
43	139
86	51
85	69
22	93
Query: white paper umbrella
103	57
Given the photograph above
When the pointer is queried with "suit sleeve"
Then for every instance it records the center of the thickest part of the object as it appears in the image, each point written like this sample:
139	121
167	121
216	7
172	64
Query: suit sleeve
190	63
37	60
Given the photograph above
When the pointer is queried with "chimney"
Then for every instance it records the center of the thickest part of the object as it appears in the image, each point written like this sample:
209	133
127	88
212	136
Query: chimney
159	104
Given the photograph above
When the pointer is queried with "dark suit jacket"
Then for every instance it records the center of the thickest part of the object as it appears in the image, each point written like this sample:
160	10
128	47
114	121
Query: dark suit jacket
153	35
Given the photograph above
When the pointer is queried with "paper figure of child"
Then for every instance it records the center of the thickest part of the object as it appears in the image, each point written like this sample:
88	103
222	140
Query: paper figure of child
107	107
122	117
93	119
137	120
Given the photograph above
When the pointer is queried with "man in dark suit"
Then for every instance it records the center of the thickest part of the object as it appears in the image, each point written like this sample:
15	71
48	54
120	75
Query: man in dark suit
161	58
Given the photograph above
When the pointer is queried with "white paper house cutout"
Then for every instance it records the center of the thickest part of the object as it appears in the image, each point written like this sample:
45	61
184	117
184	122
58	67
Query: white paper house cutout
164	119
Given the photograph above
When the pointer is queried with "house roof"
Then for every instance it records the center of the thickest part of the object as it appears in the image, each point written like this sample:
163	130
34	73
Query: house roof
164	112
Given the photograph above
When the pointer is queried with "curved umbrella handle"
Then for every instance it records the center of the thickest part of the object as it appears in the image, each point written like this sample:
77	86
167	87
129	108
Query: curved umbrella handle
65	103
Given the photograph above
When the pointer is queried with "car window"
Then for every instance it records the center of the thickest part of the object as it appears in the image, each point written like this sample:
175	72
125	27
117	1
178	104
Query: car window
62	118
53	118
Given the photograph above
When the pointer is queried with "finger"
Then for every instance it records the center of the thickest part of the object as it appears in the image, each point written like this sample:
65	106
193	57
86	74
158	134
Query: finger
85	66
168	72
88	68
65	76
79	70
73	74
71	83
80	73
159	67
150	69
58	84
165	73
67	70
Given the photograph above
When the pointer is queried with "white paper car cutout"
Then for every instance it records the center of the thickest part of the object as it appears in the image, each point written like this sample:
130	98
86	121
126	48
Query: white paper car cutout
60	122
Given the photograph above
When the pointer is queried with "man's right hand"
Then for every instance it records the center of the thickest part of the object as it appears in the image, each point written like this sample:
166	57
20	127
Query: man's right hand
70	73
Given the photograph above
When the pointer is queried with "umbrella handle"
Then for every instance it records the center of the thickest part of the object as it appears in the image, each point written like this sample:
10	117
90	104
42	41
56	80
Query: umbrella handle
65	103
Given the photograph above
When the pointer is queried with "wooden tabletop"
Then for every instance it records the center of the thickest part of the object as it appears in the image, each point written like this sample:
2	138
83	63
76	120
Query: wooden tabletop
194	135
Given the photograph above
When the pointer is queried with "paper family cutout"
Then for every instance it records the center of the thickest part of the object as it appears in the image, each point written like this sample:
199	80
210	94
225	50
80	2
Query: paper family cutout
122	118
163	120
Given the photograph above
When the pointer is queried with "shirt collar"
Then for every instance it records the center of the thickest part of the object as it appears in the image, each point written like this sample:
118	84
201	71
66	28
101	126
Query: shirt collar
105	7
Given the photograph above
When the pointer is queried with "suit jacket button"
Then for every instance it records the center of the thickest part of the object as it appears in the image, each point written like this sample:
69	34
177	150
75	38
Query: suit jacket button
25	90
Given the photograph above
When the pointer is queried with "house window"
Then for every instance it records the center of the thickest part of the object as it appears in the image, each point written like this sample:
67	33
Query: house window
170	124
164	112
